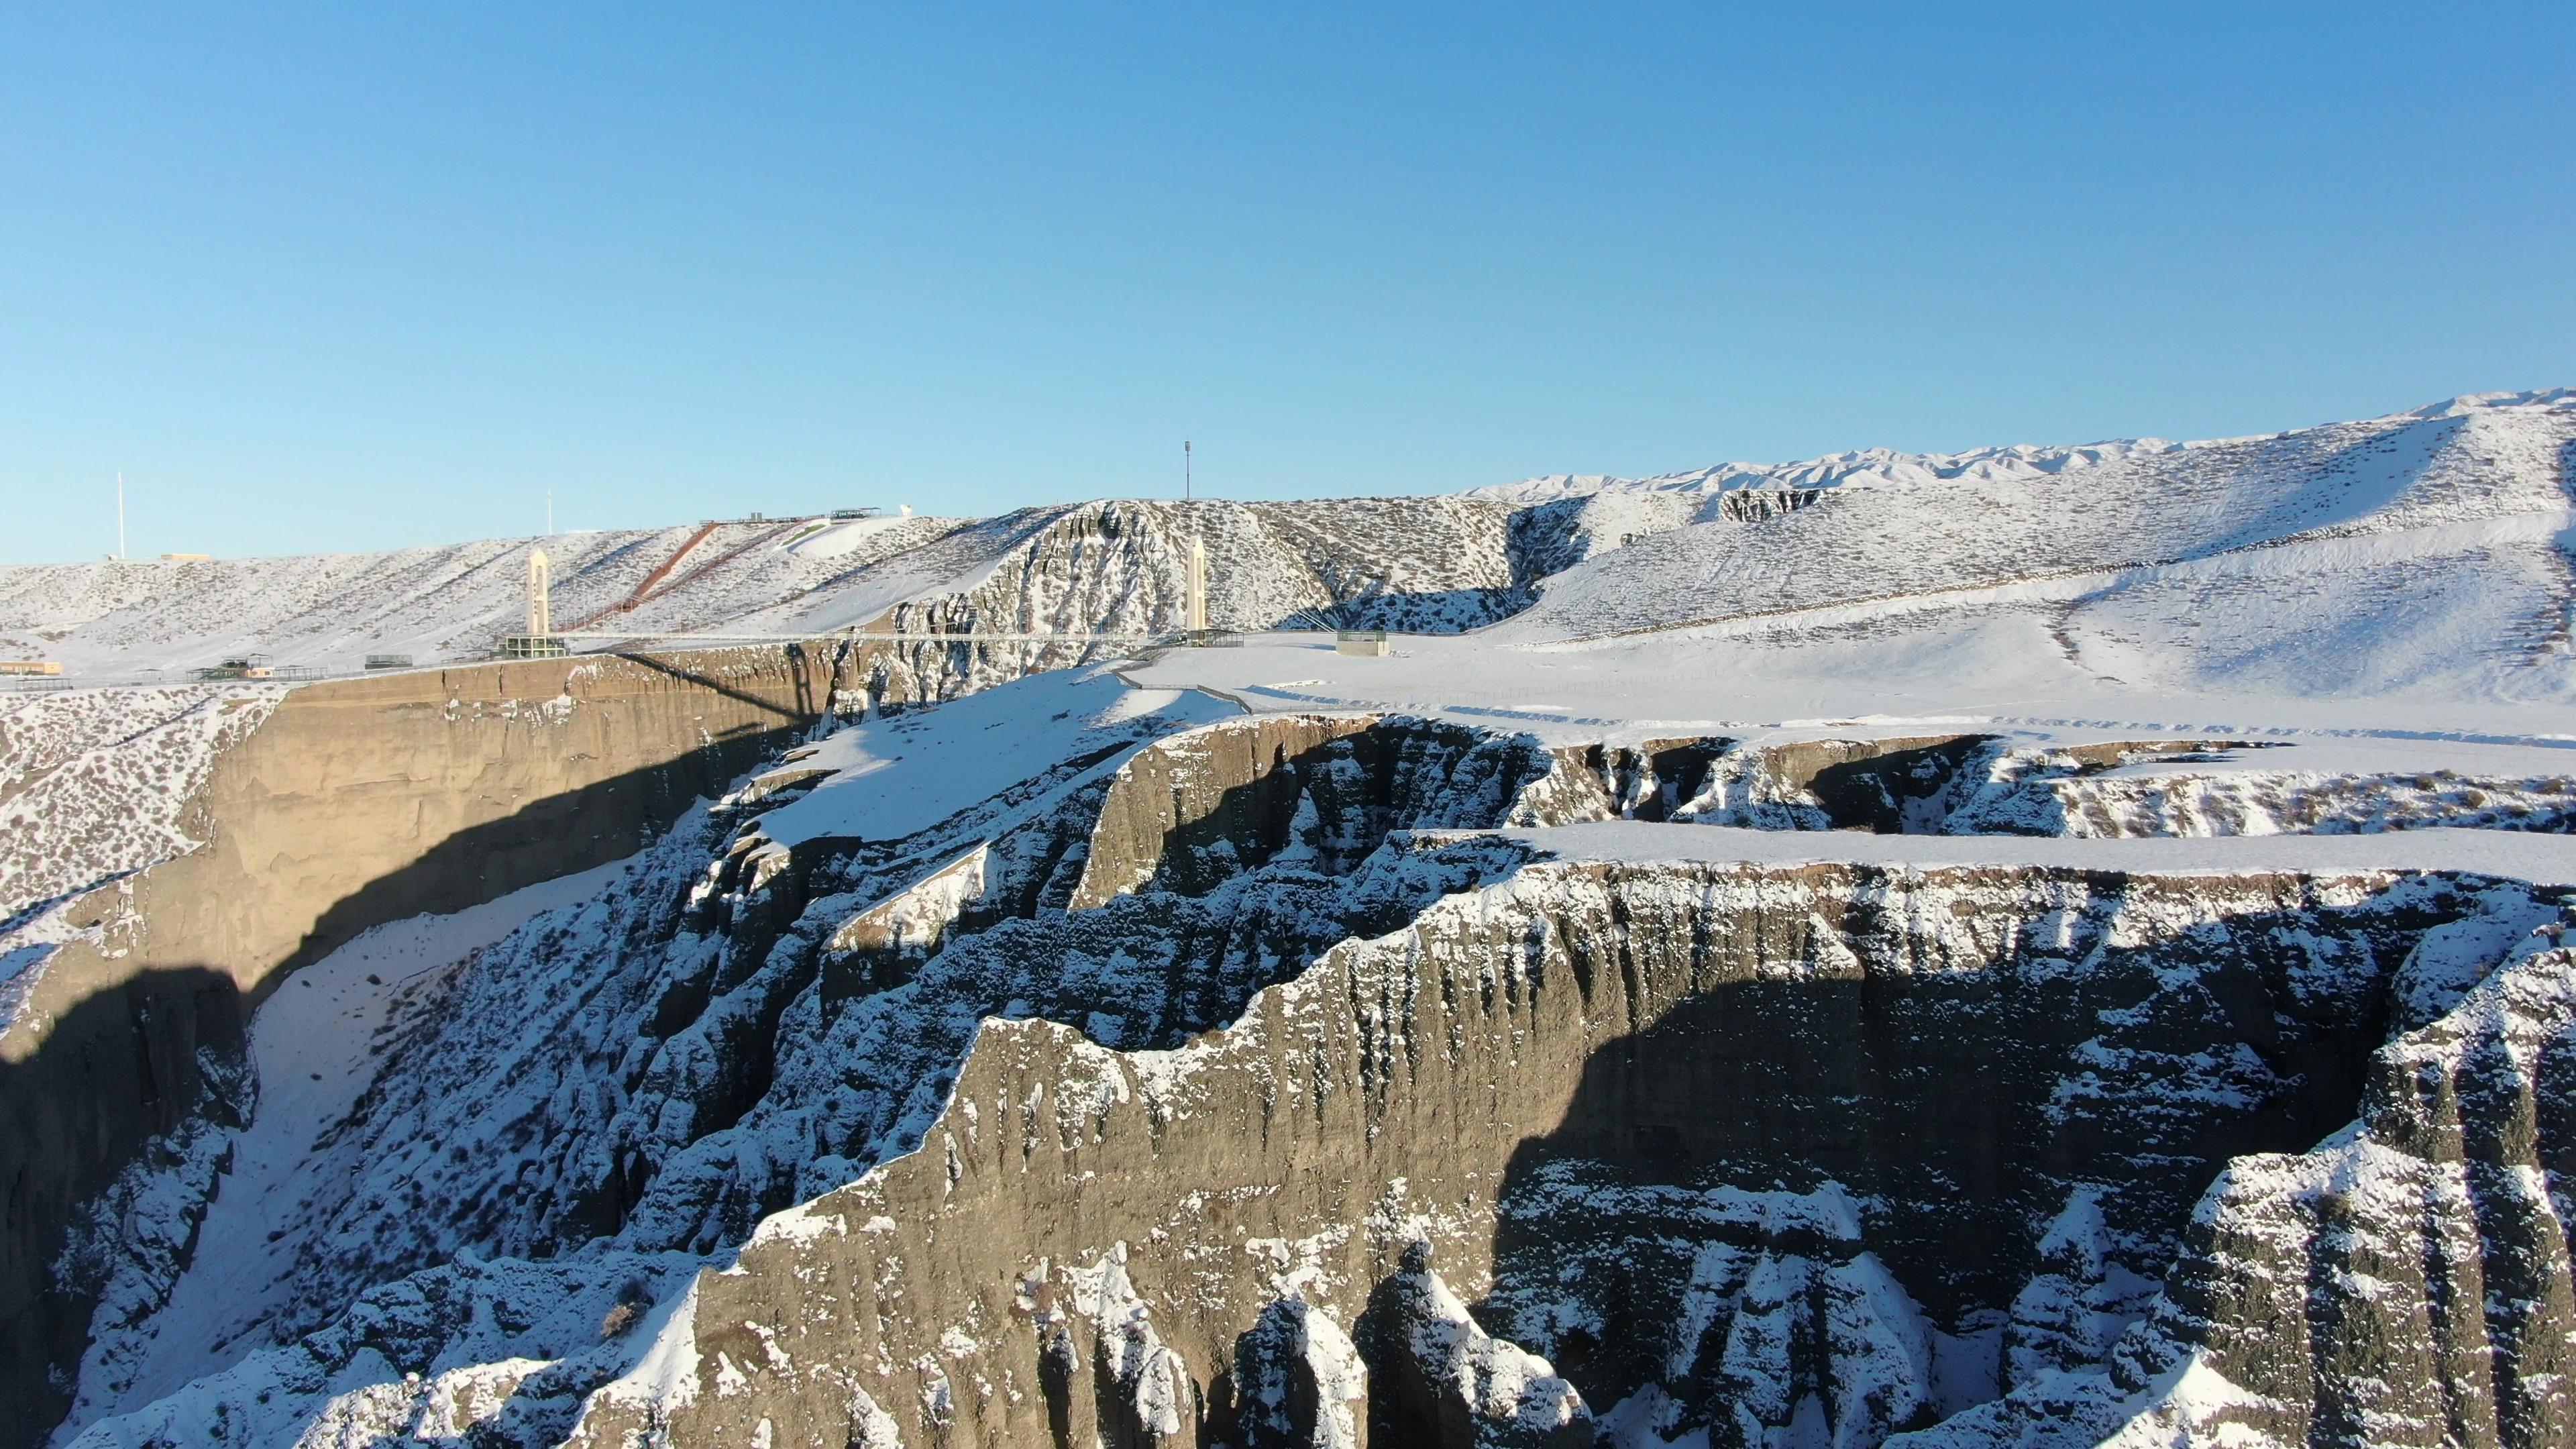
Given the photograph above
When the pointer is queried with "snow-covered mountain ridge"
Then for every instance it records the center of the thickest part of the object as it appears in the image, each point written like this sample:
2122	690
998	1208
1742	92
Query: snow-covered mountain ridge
1733	541
1867	467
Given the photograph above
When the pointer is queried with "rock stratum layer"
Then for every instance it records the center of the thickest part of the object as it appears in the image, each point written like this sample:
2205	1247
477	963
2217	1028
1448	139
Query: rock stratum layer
348	805
1741	1146
1305	1079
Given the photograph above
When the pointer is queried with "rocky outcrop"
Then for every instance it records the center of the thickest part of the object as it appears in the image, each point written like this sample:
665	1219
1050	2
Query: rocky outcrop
1120	568
1136	1102
1988	785
1968	1115
1443	1381
1318	791
1299	1382
352	803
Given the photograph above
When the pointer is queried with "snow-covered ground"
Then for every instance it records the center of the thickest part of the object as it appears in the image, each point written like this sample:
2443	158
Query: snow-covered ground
316	1047
1964	674
2548	860
1009	735
93	784
2351	641
2415	555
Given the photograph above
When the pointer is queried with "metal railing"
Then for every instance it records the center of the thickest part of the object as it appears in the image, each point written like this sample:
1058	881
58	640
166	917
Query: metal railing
310	673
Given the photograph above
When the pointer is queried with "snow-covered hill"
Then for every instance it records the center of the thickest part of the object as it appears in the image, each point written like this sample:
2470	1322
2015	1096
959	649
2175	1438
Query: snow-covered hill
1438	563
2418	552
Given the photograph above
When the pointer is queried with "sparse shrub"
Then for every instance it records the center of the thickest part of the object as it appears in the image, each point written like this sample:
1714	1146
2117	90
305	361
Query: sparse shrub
621	1320
2474	798
633	1297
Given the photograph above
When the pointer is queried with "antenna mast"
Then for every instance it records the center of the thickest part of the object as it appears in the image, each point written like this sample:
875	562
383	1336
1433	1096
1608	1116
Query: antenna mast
1185	470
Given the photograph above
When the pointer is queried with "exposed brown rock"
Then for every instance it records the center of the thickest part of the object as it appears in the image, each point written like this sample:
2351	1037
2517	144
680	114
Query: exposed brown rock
357	802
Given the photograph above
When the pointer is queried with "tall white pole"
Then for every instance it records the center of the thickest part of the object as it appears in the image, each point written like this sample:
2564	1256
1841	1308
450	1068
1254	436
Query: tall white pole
120	517
540	614
1194	598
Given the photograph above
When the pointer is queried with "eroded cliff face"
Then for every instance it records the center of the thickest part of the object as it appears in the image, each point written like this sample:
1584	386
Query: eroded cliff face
349	804
1973	784
1291	1080
1735	1147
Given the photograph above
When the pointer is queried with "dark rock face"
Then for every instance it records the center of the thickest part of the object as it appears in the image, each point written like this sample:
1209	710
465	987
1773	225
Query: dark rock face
1735	1148
2407	1282
1298	1382
1234	1087
1317	791
1442	1380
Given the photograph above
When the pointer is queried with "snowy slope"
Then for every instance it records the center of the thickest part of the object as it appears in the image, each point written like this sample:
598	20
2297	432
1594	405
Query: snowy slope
1116	566
2414	554
451	602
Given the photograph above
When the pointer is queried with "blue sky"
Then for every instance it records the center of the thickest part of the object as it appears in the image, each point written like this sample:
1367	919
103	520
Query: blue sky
363	276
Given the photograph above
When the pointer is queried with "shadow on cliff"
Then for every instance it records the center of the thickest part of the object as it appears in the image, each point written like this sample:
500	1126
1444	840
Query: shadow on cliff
551	836
810	702
1333	798
1430	611
1949	1113
129	1062
119	1068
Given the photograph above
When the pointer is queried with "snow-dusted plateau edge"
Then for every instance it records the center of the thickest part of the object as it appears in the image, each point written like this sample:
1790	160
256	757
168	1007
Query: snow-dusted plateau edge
1229	1230
2036	947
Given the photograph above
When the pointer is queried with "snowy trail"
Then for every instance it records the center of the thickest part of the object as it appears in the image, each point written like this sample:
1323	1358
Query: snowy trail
1967	681
2541	859
314	1043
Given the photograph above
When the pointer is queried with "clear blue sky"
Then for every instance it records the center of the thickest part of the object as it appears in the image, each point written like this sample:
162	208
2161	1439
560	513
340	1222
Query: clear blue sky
359	276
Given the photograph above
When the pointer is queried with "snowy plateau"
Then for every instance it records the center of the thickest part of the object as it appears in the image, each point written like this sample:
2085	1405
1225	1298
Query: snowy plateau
2043	946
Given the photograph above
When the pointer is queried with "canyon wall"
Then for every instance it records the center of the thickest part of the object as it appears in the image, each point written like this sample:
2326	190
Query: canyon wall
356	802
1967	1115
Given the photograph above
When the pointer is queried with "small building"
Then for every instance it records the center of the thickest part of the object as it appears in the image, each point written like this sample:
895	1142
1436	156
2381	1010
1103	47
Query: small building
849	515
185	557
1368	643
533	646
44	668
389	661
249	668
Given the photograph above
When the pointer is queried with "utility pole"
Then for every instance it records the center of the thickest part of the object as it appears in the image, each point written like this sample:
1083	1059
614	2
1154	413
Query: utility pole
120	516
1185	470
